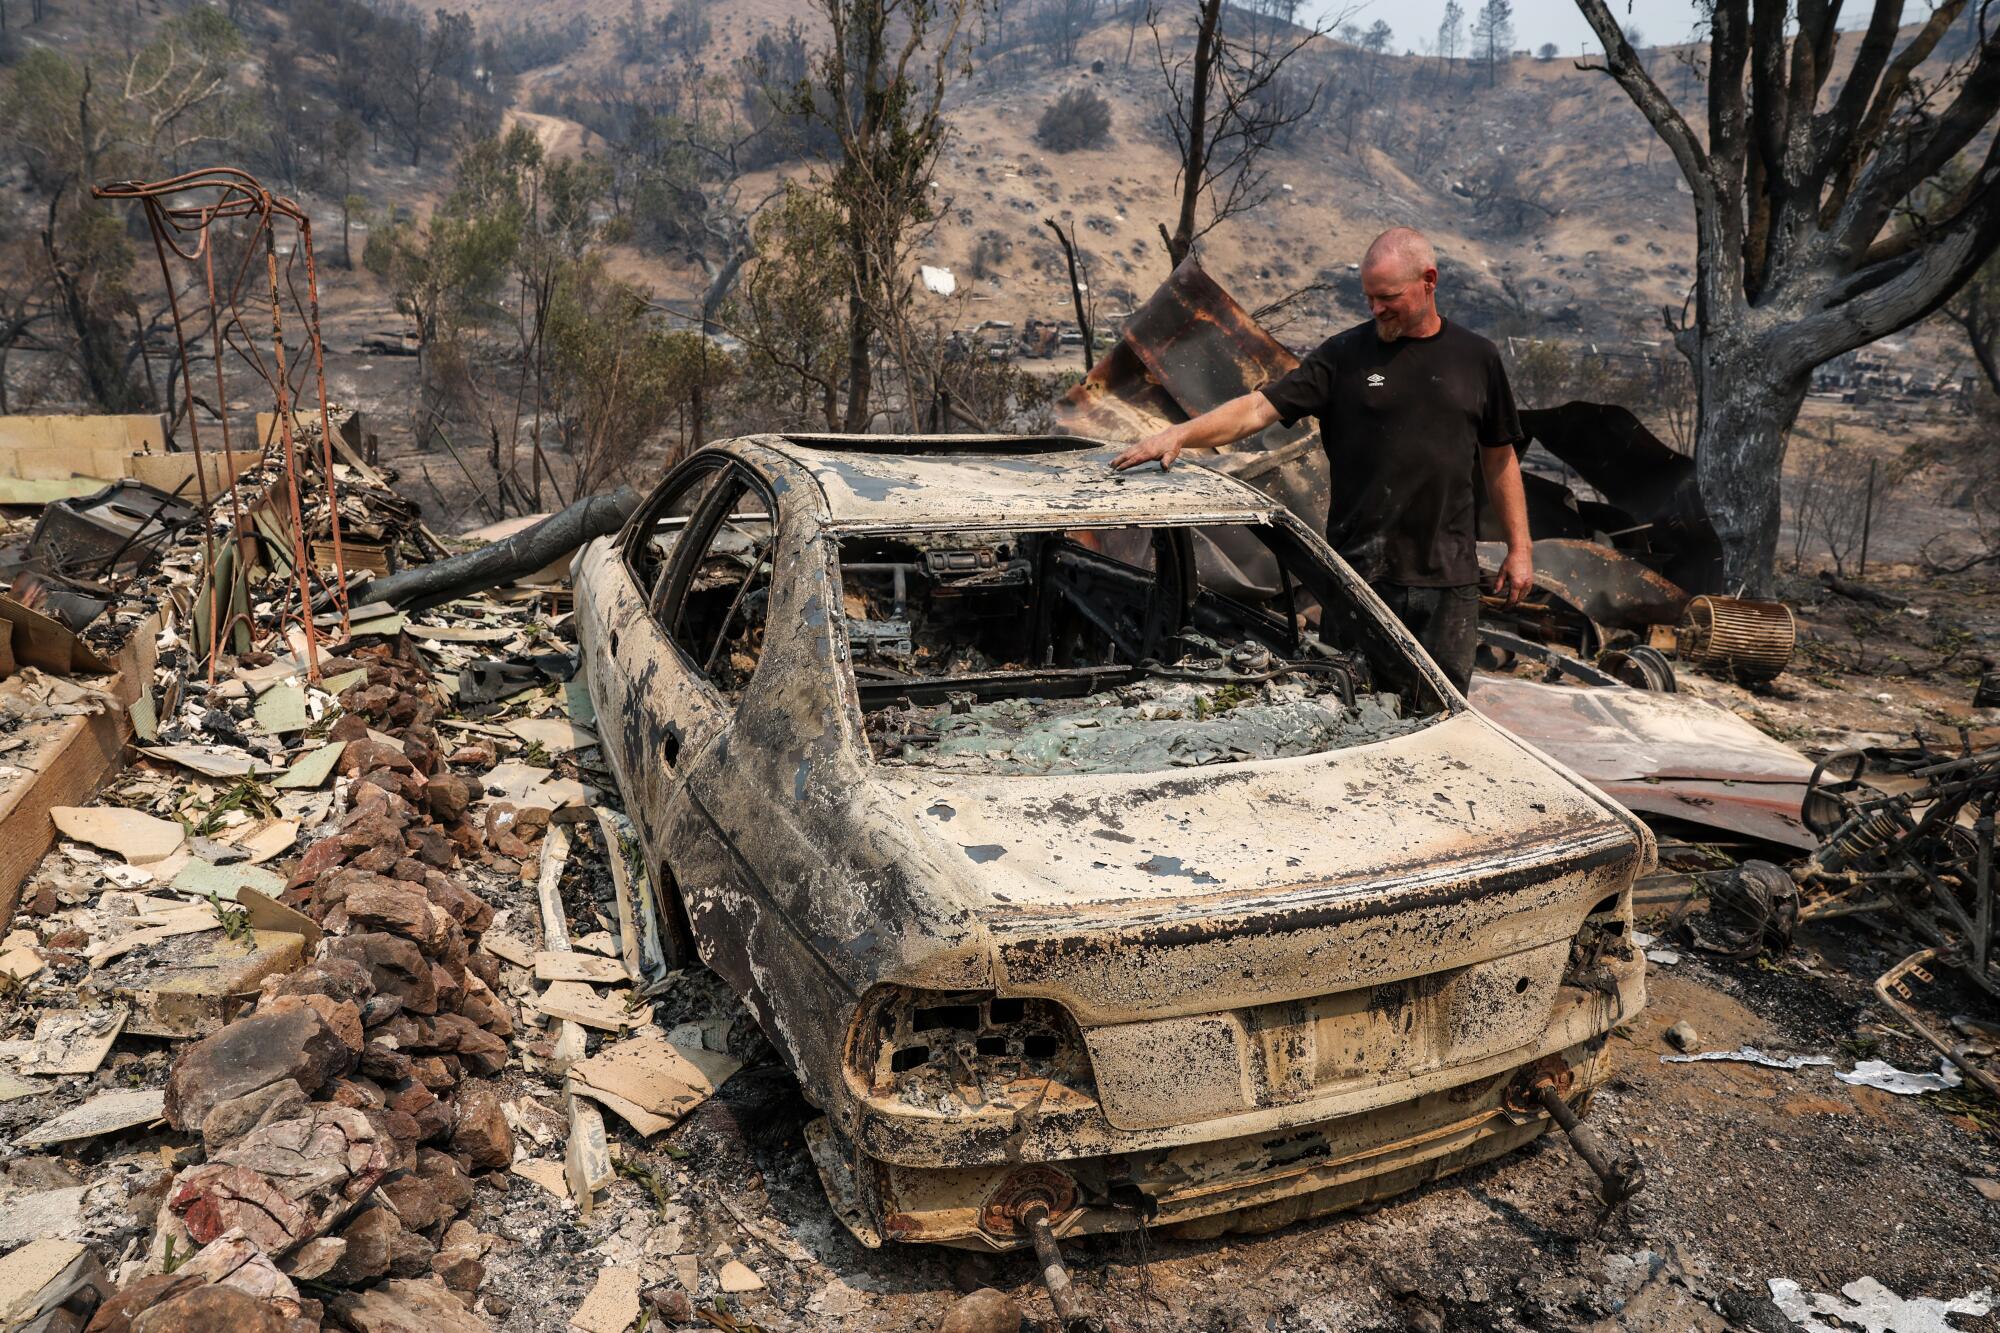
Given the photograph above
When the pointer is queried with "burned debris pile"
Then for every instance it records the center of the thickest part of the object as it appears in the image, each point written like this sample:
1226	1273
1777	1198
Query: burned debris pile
277	935
1908	846
1025	652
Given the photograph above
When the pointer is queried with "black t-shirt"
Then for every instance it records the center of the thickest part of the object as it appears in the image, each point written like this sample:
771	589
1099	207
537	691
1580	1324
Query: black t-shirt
1403	423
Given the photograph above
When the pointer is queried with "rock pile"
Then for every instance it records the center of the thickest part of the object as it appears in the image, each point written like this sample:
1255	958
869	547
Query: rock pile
342	1120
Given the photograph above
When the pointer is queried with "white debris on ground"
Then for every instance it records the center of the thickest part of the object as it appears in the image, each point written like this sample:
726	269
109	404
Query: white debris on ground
1879	1074
1752	1056
1868	1305
1866	1073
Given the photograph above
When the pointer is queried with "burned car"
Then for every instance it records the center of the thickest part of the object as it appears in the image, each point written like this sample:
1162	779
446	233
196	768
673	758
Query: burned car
1075	890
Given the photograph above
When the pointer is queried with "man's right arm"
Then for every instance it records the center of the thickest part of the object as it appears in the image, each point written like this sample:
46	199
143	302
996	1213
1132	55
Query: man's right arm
1233	421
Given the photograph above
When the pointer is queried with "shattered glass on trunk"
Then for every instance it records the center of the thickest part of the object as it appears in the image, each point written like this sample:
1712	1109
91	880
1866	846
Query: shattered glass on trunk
1139	728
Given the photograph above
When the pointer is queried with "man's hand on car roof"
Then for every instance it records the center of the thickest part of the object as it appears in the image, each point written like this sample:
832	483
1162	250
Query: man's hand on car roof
1162	445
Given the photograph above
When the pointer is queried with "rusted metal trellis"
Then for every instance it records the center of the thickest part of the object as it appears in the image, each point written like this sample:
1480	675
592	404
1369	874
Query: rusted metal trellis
183	212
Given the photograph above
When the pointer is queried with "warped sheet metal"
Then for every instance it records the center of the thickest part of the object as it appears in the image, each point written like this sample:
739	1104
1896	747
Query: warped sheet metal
1189	348
1602	585
1660	754
1649	485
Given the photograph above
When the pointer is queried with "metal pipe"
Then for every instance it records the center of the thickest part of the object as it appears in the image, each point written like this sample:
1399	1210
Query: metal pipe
1070	1312
1620	1173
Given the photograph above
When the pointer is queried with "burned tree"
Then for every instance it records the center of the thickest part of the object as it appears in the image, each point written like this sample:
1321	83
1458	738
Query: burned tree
1976	311
881	81
1224	108
1806	245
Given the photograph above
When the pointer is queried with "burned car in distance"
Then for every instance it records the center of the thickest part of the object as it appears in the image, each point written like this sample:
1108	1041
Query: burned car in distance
1093	846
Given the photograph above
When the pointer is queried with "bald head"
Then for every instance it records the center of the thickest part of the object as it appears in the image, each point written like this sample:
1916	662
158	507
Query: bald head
1399	278
1400	252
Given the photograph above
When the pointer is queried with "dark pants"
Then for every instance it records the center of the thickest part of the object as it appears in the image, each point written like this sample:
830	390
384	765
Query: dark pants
1444	620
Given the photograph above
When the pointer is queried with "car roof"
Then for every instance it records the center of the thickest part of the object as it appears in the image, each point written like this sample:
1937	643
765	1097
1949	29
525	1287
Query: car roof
988	486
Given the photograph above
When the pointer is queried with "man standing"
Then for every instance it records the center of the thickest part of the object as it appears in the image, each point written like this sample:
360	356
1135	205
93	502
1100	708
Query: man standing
1411	409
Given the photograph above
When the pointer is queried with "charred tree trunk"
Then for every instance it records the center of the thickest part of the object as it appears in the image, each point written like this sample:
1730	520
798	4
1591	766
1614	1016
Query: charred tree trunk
1741	425
1823	221
1194	156
860	333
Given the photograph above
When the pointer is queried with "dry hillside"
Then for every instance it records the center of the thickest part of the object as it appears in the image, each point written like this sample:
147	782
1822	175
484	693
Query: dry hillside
1552	204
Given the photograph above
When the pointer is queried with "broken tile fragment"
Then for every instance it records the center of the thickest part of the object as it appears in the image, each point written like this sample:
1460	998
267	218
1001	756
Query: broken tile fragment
507	947
736	1277
555	735
655	1075
587	1157
619	1011
106	1113
549	1175
73	1041
212	761
20	964
281	709
191	987
200	879
310	770
611	1305
138	837
41	1275
568	965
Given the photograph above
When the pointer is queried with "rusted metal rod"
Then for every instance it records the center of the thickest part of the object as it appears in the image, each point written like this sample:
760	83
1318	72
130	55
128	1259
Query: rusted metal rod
1620	1173
1895	993
1055	1274
183	212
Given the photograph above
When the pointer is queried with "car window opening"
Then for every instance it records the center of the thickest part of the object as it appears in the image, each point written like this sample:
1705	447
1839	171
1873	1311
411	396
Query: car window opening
720	619
1131	650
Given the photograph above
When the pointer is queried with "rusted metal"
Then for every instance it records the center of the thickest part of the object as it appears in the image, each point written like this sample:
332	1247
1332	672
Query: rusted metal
1911	833
1069	1307
1662	755
1894	988
1752	641
1562	663
1642	667
1602	589
1189	348
1650	492
1620	1173
1223	993
1005	1210
183	212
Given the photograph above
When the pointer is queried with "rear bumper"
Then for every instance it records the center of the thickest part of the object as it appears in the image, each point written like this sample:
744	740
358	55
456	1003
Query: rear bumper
1038	1122
1251	1183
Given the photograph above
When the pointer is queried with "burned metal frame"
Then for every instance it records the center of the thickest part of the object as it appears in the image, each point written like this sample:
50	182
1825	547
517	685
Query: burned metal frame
992	983
1915	852
182	212
1922	857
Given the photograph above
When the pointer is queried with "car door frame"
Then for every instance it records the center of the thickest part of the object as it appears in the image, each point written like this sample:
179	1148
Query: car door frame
675	697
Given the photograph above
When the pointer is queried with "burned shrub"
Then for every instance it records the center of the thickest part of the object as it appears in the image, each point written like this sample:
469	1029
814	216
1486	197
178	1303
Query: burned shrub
1077	119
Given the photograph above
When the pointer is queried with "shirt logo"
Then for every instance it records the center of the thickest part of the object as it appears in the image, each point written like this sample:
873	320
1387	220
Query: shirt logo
1376	381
